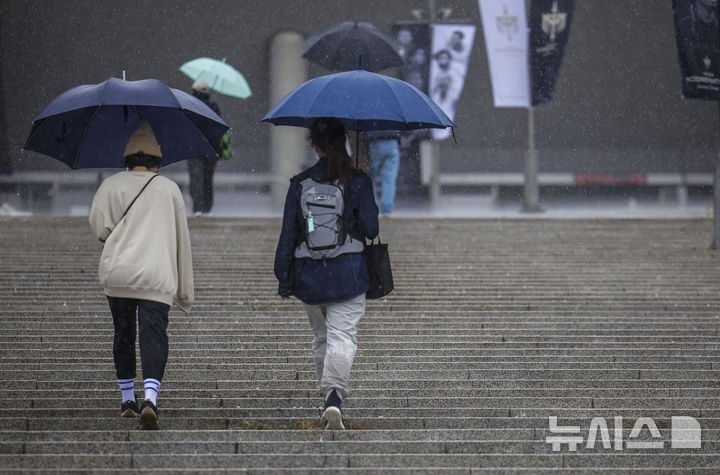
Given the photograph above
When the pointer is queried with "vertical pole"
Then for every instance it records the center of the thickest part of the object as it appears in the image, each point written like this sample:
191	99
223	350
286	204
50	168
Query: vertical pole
288	149
531	194
357	146
432	15
434	174
716	197
5	156
435	148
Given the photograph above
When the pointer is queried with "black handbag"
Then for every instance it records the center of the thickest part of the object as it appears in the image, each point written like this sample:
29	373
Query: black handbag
379	272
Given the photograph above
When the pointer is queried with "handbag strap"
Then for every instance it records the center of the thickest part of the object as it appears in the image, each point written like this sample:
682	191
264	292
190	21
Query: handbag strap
137	196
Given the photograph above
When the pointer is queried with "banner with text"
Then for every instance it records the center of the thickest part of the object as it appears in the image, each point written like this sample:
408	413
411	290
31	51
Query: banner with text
505	28
451	47
698	41
549	32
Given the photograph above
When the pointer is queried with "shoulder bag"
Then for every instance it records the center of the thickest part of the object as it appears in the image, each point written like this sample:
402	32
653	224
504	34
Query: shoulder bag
132	202
137	196
379	271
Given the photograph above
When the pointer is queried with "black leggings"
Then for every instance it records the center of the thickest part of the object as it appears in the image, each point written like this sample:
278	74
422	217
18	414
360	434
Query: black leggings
153	322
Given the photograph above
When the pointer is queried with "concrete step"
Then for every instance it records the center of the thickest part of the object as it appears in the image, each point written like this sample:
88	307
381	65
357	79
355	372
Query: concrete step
539	446
43	398
375	384
486	434
361	365
539	409
380	375
365	461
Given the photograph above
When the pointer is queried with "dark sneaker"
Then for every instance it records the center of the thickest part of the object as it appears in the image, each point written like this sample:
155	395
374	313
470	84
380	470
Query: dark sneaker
332	415
148	416
129	409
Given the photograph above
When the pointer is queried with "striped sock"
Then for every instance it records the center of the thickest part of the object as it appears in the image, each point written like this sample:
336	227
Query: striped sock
127	387
152	388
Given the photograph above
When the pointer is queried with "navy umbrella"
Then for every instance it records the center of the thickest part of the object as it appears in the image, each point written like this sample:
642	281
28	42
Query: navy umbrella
88	126
362	100
338	47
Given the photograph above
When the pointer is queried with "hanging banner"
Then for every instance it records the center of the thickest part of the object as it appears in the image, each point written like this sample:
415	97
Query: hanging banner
414	39
505	28
698	41
549	32
414	42
451	47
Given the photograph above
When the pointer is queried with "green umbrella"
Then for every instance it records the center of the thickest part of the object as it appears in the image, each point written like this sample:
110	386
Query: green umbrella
219	75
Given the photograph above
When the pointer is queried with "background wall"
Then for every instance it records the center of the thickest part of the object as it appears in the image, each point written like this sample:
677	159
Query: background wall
617	106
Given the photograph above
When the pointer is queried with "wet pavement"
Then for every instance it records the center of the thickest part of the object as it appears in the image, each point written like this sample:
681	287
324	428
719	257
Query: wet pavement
568	205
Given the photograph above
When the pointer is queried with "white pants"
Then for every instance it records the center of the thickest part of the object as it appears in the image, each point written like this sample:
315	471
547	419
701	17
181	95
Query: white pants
334	327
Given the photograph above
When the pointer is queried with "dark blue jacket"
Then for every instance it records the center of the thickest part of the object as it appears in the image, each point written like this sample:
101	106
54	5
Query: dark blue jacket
332	280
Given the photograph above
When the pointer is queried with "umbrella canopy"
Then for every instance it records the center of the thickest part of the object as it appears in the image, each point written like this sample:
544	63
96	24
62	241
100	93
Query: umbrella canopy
219	75
338	47
362	100
88	126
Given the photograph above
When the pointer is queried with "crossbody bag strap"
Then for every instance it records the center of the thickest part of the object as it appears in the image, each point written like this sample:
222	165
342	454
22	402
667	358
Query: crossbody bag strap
137	196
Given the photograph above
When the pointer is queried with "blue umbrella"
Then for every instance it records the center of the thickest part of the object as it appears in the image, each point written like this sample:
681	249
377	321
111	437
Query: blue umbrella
362	100
88	126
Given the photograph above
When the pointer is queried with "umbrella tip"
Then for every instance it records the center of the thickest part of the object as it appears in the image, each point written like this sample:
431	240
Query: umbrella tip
223	60
123	74
359	61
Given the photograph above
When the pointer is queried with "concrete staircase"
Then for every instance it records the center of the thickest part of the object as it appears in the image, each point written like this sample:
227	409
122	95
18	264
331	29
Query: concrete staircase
494	327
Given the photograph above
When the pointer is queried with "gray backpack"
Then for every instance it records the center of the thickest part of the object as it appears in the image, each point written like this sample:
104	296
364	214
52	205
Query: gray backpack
322	205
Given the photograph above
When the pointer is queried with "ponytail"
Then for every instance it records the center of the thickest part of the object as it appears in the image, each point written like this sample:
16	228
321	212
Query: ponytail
328	134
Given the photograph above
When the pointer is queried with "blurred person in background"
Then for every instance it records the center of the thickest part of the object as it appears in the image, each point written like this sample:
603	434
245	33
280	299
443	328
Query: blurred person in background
384	150
202	169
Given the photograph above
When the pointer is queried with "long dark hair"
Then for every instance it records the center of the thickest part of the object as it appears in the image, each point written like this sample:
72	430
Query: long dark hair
328	134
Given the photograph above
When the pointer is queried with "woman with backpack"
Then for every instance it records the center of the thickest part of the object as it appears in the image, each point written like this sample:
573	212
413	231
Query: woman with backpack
329	211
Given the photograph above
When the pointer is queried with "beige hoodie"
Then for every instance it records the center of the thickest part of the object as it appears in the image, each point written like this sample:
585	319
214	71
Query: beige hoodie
147	254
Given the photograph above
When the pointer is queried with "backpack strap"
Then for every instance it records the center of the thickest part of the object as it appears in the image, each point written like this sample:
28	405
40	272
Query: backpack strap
300	177
137	196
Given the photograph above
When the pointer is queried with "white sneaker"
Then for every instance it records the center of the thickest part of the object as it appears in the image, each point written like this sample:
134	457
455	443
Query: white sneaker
333	418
